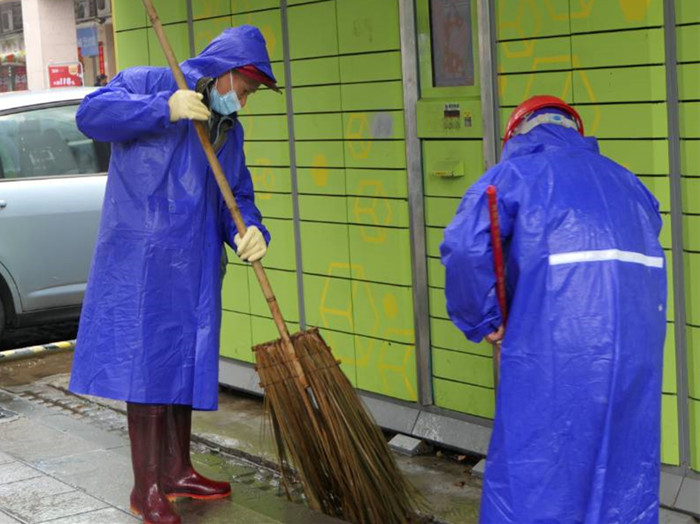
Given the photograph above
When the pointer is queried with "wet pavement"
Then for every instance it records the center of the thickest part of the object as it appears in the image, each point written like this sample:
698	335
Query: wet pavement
64	459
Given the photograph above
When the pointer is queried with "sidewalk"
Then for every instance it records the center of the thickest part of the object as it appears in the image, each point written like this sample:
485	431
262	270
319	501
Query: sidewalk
65	460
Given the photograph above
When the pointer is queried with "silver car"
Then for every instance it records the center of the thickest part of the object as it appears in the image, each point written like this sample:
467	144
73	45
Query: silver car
52	182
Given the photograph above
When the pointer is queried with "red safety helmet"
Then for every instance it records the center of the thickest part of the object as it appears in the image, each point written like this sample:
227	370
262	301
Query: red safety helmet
254	73
533	104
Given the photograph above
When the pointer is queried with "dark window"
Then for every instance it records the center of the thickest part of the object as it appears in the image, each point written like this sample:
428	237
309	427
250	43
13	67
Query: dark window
451	35
47	142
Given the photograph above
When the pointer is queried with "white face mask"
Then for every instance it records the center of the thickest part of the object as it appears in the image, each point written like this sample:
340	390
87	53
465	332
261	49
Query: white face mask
227	103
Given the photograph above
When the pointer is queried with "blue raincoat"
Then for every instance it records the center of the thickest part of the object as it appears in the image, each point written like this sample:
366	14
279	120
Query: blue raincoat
576	434
149	330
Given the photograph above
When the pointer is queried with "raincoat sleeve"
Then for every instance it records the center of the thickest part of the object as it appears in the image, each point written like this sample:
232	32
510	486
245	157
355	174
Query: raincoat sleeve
467	255
129	106
245	198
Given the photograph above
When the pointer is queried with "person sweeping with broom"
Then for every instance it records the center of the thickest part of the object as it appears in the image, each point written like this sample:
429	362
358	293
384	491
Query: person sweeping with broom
576	436
149	330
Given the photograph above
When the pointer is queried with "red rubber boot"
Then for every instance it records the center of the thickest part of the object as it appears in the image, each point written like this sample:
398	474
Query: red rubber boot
146	426
178	477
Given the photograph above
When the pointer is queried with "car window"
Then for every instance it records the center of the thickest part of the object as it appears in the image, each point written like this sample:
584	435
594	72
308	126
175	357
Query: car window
47	142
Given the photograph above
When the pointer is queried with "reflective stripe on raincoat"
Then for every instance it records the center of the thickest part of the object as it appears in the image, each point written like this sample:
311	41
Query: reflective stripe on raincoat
149	330
576	434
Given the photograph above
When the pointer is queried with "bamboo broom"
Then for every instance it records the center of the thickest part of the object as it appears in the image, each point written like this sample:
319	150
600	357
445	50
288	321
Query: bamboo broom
320	424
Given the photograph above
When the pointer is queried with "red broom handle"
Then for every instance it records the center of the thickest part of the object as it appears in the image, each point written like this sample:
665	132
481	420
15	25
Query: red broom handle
498	265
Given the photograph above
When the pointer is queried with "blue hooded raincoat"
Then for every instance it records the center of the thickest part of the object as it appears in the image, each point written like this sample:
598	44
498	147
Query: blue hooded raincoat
149	330
576	434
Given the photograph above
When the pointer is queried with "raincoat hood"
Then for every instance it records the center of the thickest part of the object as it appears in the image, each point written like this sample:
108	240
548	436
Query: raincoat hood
234	47
547	137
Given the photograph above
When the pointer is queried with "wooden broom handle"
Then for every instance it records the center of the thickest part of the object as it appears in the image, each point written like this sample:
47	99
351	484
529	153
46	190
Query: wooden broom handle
220	178
498	265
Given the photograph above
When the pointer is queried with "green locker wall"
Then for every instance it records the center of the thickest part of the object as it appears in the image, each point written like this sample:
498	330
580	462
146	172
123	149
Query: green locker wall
688	57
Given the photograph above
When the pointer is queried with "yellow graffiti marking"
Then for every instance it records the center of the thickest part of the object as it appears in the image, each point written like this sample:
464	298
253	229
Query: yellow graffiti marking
319	170
378	212
634	10
263	178
357	132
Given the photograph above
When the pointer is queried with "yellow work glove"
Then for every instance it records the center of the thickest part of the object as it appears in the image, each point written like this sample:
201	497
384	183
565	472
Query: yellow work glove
252	246
186	104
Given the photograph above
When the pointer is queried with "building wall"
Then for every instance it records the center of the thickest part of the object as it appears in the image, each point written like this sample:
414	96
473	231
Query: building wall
606	58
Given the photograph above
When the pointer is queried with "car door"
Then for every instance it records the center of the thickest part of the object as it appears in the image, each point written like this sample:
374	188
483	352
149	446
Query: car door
52	182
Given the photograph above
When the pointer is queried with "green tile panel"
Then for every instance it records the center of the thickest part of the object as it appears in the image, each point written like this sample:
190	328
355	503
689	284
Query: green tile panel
236	336
694	409
465	398
669	384
210	8
436	301
371	249
178	35
372	67
382	311
128	14
463	367
463	157
132	48
439	212
322	99
235	291
661	189
270	25
513	89
315	71
274	205
379	125
444	335
269	179
206	30
690	157
320	155
517	19
627	84
624	121
325	249
642	157
433	238
621	48
323	208
691	233
247	6
284	284
380	154
264	127
688	81
321	180
692	275
693	339
372	209
690	119
436	273
390	183
266	101
312	30
281	253
688	43
669	430
625	14
368	25
328	303
264	329
387	368
170	11
320	126
546	54
691	188
266	153
687	11
374	96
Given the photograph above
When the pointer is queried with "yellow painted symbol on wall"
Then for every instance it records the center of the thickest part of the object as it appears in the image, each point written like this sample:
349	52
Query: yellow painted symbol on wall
391	306
407	367
372	208
319	170
263	178
270	38
584	9
358	134
635	10
525	14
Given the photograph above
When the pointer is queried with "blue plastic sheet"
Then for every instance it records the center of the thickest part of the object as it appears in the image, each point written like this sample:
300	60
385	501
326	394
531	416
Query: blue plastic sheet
576	435
149	330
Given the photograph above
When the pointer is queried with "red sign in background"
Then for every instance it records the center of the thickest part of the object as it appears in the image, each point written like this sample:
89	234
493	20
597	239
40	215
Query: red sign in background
101	54
65	75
